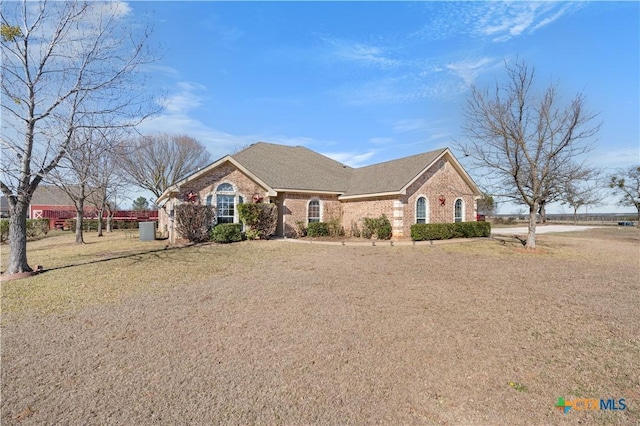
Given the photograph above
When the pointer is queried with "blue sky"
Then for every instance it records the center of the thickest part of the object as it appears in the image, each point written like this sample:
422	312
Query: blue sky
364	82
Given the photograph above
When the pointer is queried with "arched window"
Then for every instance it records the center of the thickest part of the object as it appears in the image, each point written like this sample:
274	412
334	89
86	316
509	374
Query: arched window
421	210
459	210
225	187
225	203
313	211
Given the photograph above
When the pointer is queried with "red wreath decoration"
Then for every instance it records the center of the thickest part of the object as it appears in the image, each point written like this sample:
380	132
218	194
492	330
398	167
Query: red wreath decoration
257	198
442	200
191	197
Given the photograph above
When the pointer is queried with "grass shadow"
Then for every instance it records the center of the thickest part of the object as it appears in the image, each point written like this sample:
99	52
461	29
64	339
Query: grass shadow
123	256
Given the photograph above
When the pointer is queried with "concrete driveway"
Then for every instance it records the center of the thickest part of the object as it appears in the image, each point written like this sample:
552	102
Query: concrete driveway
540	229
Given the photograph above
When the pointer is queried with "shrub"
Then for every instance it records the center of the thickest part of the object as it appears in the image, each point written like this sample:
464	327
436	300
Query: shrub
378	226
261	219
226	233
335	228
318	229
194	221
355	229
301	229
444	231
4	230
37	227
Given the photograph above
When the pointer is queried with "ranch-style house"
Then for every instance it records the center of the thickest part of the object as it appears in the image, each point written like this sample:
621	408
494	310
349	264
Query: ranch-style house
431	187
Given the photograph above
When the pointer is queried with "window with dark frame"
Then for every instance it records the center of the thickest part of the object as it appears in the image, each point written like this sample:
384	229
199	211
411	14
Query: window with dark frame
421	210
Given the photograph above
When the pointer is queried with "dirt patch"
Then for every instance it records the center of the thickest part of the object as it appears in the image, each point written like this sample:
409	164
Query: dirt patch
468	333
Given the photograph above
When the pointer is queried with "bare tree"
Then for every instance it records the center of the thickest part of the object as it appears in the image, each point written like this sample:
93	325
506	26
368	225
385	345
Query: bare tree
65	66
107	183
583	192
155	162
626	184
76	170
526	144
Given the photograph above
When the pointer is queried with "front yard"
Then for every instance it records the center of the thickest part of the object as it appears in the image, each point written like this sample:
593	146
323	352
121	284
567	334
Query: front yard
270	332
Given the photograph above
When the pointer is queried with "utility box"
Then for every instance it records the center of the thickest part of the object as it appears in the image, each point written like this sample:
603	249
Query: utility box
147	231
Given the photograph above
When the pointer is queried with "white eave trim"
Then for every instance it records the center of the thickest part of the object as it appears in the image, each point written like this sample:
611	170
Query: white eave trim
454	162
306	191
373	195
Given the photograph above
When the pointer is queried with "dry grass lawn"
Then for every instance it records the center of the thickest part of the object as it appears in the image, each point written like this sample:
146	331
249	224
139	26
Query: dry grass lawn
271	332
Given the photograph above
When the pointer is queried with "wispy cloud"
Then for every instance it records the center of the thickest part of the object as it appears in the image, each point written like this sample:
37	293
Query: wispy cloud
351	159
411	125
499	21
408	87
362	53
469	69
185	99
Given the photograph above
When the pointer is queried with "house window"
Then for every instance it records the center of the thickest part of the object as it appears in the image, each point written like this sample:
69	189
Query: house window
313	211
421	210
225	203
459	211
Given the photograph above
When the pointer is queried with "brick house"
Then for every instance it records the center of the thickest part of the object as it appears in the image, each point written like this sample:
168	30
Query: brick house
431	187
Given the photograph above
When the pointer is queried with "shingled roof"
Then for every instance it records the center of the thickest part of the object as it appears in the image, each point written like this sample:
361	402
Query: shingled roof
390	176
294	168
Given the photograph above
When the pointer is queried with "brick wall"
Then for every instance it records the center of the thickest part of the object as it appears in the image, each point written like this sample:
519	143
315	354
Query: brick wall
441	180
226	173
355	210
295	210
206	185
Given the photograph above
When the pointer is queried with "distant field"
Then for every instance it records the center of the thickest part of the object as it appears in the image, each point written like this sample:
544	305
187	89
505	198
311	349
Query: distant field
269	332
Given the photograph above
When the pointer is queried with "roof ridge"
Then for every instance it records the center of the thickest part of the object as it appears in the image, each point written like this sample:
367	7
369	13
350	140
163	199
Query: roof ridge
403	158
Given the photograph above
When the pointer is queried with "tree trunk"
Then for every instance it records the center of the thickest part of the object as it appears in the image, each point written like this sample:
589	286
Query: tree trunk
18	238
79	220
100	212
531	236
575	215
543	212
110	214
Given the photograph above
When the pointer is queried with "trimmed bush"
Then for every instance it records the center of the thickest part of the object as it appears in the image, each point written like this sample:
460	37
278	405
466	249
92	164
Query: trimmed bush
261	219
318	229
378	226
226	233
445	231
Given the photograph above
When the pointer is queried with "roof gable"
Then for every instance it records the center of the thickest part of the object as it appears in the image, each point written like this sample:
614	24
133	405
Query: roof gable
390	176
294	168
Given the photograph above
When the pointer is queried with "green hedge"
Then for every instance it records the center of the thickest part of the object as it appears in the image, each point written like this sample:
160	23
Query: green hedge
92	224
378	226
318	229
35	228
445	231
226	233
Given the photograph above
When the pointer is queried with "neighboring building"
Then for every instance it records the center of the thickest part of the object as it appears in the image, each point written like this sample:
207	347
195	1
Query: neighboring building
50	198
45	198
308	187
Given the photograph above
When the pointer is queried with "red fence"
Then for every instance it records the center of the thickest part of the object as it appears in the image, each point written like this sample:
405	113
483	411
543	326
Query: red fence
58	217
